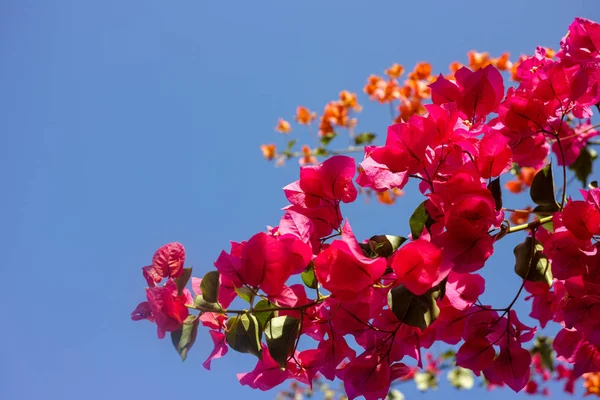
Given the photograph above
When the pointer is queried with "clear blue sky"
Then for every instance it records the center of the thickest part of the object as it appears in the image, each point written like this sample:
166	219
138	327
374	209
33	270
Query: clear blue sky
129	124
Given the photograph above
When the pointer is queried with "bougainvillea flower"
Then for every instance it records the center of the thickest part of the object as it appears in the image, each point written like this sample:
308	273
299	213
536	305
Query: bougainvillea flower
477	93
283	126
418	266
368	375
304	116
463	290
572	348
265	261
475	354
142	311
330	180
582	43
168	260
219	350
344	270
513	366
167	306
581	219
266	374
495	156
383	168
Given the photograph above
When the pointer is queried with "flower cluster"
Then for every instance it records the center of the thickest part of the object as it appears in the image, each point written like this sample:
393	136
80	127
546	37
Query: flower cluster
394	296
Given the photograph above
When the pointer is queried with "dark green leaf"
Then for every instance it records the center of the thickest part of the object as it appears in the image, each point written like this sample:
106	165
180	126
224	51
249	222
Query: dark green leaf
531	264
364	138
419	311
309	278
384	245
496	190
418	220
319	151
182	280
582	167
543	346
263	317
542	191
448	355
199	302
281	333
244	334
210	286
183	339
328	137
245	293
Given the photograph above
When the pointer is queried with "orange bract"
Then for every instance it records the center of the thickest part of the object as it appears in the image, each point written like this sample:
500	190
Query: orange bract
283	126
514	70
395	71
308	158
520	217
478	60
502	62
455	66
304	116
348	100
591	382
408	108
422	71
527	174
382	90
269	151
514	186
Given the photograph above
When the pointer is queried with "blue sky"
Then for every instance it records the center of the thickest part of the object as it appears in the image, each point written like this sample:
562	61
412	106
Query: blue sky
130	124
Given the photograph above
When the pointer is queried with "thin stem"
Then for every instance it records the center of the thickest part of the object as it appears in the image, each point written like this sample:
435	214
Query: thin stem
531	225
564	168
349	149
228	311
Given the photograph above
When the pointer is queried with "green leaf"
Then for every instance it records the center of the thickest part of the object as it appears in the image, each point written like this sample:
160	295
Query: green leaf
542	190
281	333
182	280
290	145
364	138
183	338
418	220
582	167
309	277
425	381
328	137
263	317
395	394
494	187
244	334
245	293
543	346
210	286
418	311
382	245
199	302
319	151
549	226
461	378
448	355
531	264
